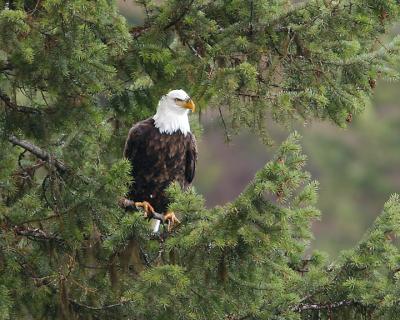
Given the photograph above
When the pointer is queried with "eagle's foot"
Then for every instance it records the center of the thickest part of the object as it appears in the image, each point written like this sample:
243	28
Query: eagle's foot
131	205
171	219
147	208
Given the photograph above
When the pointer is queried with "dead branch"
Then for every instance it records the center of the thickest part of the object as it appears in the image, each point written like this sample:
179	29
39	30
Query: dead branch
7	101
5	67
38	152
138	31
36	234
315	306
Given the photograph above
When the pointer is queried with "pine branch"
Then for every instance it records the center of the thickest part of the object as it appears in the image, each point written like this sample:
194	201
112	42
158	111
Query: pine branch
81	305
23	109
53	216
249	95
292	10
138	31
38	152
6	66
316	306
36	234
179	17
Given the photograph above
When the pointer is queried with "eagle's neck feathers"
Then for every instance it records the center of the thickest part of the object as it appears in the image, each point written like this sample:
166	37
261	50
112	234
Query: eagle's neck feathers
170	119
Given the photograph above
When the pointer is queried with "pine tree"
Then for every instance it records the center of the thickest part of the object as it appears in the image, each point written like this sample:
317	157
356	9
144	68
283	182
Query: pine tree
73	77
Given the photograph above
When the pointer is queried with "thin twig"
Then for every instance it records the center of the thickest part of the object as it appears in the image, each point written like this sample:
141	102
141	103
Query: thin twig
227	136
194	51
44	219
109	306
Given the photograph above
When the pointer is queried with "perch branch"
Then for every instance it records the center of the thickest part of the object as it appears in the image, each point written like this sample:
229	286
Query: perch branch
129	205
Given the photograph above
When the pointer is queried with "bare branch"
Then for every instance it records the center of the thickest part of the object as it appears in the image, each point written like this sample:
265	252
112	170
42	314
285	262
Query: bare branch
316	306
227	136
6	66
36	234
138	31
7	100
38	152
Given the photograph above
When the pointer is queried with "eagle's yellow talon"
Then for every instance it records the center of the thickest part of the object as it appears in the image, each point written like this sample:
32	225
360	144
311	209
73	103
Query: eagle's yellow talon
171	219
147	208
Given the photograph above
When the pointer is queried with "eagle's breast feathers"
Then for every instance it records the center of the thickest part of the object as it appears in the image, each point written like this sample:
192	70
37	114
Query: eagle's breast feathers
158	159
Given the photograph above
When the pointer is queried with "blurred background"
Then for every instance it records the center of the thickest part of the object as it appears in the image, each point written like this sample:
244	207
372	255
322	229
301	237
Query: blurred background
357	167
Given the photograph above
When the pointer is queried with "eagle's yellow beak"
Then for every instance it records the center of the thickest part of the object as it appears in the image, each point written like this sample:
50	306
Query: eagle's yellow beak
190	105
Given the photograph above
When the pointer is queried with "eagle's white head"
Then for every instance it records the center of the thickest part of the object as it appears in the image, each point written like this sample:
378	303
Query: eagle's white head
172	112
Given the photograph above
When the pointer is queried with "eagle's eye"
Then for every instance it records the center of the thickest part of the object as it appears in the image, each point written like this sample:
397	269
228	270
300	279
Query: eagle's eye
177	99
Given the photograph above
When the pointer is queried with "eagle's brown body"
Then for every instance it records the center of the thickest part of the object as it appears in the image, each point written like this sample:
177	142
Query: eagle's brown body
158	159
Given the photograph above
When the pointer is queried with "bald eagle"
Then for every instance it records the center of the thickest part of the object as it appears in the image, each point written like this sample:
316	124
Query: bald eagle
161	150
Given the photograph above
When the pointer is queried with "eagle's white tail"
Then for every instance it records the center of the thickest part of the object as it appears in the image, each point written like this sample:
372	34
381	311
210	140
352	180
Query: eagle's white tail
156	225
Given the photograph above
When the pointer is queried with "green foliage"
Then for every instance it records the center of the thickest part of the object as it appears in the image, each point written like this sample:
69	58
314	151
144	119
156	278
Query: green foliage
313	60
73	77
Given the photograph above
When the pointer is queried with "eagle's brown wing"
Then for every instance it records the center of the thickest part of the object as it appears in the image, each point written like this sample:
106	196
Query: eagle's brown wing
157	161
134	139
191	158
